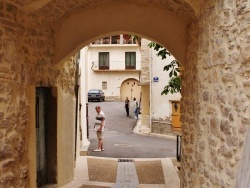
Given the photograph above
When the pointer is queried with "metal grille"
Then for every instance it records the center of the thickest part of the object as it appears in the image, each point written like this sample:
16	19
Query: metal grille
125	160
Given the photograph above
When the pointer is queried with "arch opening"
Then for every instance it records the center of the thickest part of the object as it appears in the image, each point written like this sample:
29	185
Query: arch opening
81	28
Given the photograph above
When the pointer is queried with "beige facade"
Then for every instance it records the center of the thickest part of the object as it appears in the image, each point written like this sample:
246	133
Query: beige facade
210	39
130	88
111	79
145	108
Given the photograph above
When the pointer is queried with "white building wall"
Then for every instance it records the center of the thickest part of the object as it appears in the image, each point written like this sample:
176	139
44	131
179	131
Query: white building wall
118	74
113	79
83	100
161	108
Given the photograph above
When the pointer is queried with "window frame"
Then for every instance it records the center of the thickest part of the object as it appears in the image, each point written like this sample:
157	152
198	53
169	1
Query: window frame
131	62
104	85
103	64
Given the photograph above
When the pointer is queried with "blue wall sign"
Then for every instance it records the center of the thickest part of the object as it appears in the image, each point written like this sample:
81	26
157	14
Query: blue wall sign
156	79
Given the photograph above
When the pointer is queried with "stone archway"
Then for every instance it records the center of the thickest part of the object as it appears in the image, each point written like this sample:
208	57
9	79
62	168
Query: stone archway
207	37
209	81
105	20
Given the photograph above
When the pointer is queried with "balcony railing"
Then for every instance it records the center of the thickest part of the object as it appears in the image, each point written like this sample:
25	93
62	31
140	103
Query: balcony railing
113	66
113	40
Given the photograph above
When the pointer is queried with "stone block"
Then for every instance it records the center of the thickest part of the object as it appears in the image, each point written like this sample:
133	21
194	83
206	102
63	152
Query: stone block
162	128
7	165
5	151
226	4
205	96
212	141
225	126
215	126
23	173
246	120
2	88
226	110
230	173
238	104
242	129
228	77
232	141
234	58
226	151
221	98
1	115
202	145
221	164
218	57
227	18
7	179
242	7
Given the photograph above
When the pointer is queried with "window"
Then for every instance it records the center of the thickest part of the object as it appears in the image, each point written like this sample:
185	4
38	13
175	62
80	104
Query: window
130	60
104	85
103	60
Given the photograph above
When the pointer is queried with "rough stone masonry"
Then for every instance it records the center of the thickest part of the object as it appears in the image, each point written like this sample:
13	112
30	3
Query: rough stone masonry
215	92
25	59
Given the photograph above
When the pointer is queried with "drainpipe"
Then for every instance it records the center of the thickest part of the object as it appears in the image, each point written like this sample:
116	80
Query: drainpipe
150	88
76	95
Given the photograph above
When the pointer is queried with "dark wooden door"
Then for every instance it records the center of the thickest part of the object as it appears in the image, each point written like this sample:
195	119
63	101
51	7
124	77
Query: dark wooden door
46	131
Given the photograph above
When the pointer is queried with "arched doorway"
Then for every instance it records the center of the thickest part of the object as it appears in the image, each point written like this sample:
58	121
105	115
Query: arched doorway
130	88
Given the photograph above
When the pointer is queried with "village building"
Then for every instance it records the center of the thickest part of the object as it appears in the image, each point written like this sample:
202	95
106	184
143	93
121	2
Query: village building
113	64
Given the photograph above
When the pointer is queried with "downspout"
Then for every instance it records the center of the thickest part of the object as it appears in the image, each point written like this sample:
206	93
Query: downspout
150	88
86	89
76	95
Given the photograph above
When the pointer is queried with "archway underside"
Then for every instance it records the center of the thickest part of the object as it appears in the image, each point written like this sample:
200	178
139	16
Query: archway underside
170	18
62	8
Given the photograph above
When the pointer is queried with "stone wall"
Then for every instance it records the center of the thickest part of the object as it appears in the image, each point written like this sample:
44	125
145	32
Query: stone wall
145	61
145	85
215	110
162	127
25	60
112	98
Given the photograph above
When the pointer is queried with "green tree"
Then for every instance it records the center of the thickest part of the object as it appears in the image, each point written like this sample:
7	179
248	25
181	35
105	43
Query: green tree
174	84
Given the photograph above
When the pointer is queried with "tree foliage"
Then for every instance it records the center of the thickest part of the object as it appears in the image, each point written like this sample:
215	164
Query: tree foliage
161	51
174	84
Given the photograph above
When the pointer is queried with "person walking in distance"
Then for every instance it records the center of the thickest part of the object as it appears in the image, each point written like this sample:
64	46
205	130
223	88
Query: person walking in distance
99	127
135	108
127	106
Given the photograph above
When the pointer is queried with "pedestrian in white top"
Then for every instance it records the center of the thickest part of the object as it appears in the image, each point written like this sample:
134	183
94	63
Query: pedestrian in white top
99	127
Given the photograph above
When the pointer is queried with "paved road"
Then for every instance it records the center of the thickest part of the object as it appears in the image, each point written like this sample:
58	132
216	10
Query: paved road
120	141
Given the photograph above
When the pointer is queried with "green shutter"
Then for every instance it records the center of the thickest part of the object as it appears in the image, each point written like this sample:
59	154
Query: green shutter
130	60
104	59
